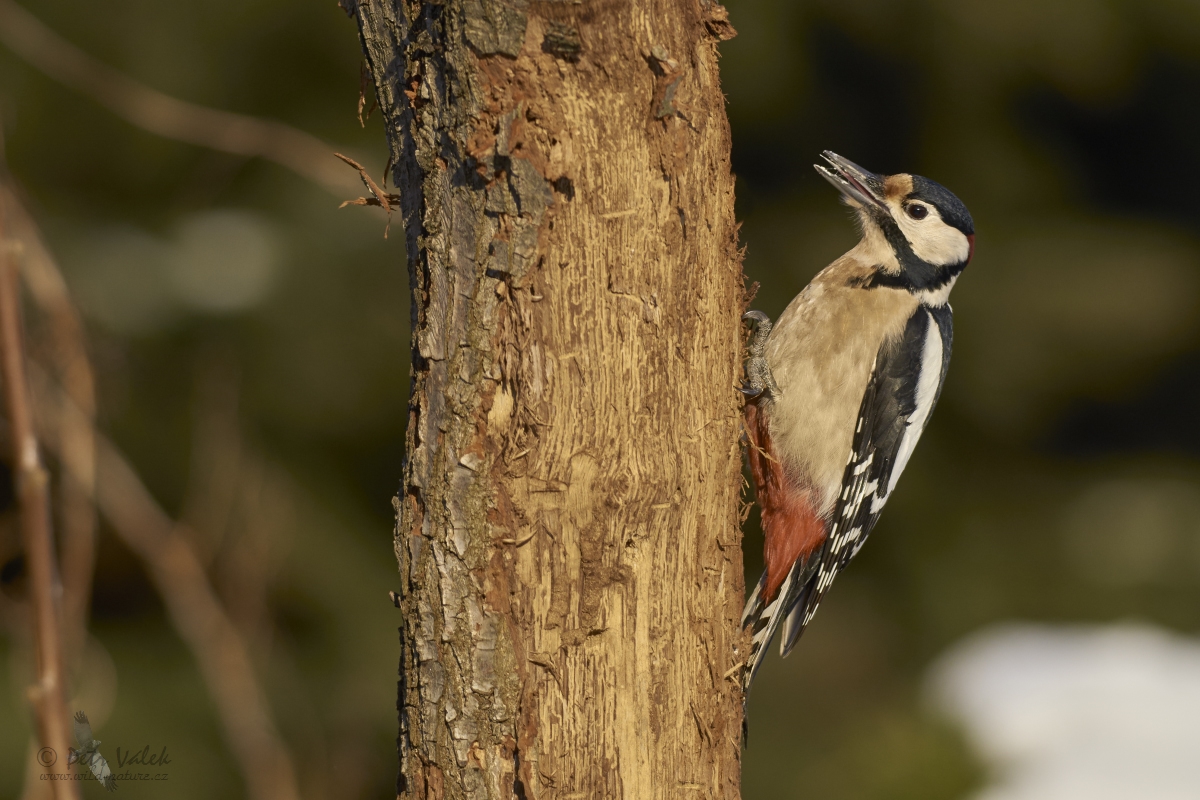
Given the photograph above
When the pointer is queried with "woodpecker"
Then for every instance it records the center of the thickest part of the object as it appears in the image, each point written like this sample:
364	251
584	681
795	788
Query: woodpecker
841	387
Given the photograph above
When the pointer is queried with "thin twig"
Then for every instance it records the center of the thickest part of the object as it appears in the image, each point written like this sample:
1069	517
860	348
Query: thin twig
68	351
378	197
198	616
49	692
159	113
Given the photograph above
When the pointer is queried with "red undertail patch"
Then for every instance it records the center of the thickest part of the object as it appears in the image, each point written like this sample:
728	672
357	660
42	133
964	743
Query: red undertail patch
791	526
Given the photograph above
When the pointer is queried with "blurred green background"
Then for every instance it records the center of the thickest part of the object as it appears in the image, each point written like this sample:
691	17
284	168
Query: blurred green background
1058	481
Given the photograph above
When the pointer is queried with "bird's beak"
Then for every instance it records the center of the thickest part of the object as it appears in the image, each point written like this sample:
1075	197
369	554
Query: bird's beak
856	184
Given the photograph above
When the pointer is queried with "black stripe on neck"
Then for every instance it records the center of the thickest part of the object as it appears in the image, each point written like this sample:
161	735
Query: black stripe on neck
904	281
915	275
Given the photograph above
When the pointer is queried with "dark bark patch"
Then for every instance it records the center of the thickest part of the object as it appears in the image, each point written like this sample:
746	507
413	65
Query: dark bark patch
666	105
562	41
493	26
667	75
565	187
530	189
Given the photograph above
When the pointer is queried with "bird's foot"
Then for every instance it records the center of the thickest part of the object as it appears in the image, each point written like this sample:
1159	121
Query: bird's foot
758	372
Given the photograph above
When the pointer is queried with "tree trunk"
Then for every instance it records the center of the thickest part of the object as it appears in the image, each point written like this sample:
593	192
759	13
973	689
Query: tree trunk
568	533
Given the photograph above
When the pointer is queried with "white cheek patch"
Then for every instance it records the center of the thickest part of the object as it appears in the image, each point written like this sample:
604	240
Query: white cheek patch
932	240
939	244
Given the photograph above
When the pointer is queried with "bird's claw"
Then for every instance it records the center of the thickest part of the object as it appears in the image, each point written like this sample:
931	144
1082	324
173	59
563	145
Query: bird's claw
758	372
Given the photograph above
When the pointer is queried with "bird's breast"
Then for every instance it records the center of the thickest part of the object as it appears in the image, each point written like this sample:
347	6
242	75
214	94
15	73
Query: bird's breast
821	353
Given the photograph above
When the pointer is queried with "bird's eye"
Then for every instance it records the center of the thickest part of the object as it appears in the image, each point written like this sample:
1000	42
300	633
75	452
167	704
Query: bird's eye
917	211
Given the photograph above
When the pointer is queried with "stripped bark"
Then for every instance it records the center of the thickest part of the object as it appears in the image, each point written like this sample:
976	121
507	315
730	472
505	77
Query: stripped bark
568	528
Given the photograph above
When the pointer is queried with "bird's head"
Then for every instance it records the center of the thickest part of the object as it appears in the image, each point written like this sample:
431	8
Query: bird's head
924	234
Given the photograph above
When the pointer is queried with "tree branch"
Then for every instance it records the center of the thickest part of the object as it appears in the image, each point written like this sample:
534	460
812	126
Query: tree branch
68	352
196	612
49	693
159	113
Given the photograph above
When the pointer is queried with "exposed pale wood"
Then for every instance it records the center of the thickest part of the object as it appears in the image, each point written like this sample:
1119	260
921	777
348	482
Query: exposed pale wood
568	529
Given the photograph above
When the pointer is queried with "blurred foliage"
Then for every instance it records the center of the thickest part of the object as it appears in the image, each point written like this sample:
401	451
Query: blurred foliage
251	345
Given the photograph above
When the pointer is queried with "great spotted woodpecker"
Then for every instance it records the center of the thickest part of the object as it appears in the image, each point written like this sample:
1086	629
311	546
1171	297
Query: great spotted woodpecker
843	385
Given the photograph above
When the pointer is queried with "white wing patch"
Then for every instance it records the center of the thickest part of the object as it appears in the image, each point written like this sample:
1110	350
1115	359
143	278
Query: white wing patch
928	383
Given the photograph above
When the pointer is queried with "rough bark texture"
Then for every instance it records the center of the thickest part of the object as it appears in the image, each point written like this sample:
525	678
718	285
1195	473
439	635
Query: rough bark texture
568	528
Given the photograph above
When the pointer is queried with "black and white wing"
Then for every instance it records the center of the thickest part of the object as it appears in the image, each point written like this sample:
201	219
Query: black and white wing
790	595
905	385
